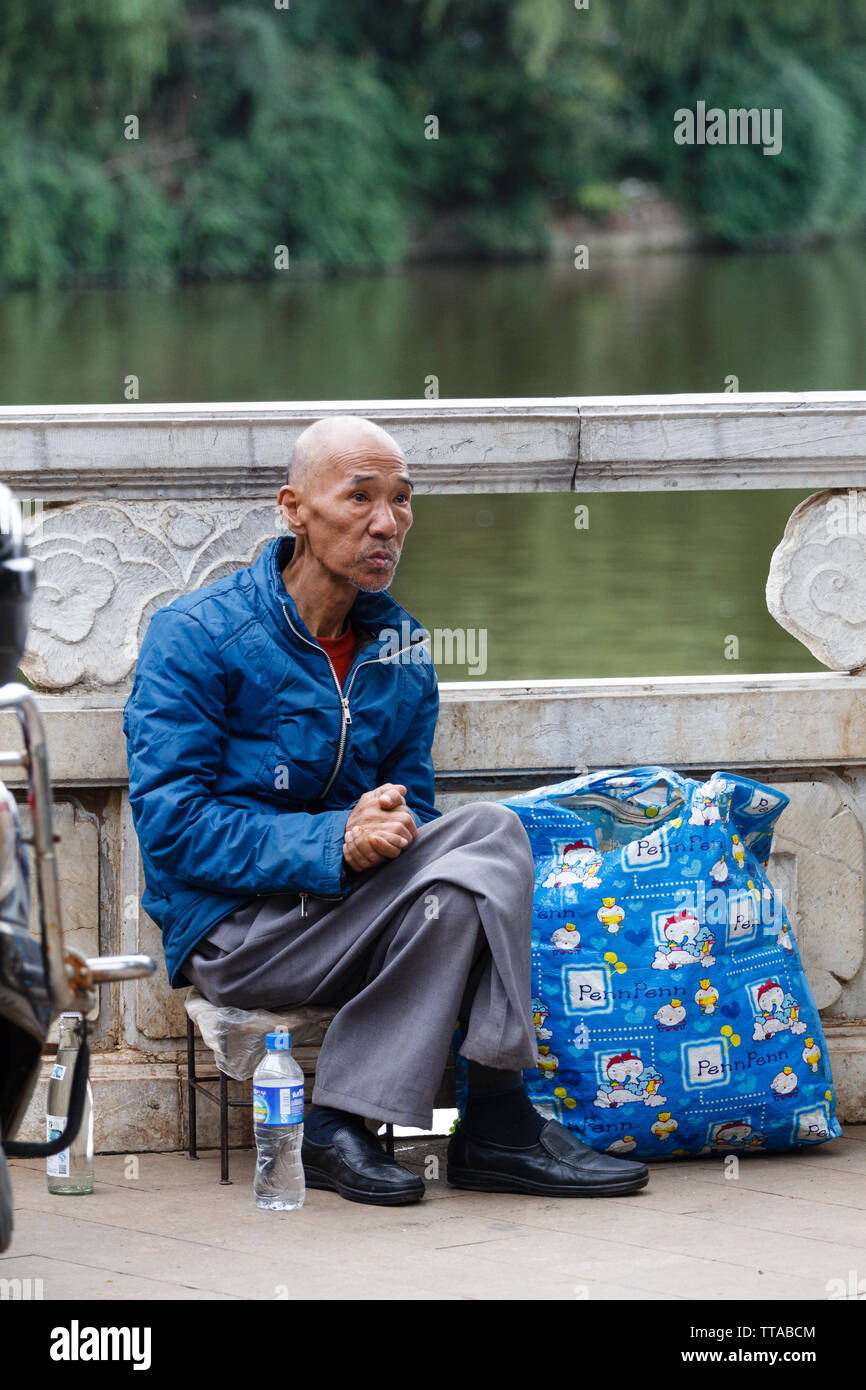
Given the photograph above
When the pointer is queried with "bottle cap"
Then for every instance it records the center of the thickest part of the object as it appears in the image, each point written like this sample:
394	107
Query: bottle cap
278	1042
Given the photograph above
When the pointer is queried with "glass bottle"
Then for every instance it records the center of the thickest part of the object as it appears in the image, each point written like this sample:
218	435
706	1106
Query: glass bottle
71	1170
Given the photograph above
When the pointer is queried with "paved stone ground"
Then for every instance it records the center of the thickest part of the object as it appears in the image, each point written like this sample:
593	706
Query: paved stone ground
781	1230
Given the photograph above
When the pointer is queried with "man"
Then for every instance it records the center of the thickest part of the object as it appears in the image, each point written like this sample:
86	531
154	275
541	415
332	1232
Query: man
281	782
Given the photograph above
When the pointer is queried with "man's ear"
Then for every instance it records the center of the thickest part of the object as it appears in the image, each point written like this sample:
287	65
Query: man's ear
287	504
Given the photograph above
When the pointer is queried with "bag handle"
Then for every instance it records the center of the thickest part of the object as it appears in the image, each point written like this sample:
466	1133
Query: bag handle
594	790
623	810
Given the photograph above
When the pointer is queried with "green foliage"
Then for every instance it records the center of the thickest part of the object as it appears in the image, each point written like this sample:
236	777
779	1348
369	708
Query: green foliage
68	63
64	218
518	228
306	127
304	156
752	199
603	199
734	54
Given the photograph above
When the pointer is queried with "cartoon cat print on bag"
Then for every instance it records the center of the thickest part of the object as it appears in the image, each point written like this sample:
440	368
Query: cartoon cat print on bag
719	871
664	1126
733	1134
579	863
611	915
707	997
687	942
705	802
626	1145
784	1085
566	938
540	1015
778	1012
811	1054
670	1017
548	1062
627	1081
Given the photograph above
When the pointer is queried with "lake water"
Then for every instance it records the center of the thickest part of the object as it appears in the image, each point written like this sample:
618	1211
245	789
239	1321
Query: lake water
659	583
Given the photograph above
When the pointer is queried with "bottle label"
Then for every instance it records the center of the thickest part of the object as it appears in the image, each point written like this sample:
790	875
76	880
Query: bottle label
58	1071
56	1165
278	1105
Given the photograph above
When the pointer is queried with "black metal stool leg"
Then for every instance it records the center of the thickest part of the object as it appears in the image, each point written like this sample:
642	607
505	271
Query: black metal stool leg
190	1086
224	1130
389	1139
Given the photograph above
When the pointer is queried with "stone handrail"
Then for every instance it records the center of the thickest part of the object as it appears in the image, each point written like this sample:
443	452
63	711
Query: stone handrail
561	444
142	502
492	732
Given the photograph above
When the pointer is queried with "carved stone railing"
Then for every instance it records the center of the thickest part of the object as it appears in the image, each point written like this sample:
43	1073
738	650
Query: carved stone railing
140	503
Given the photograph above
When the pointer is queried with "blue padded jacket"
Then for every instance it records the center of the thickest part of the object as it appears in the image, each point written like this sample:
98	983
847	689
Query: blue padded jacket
245	757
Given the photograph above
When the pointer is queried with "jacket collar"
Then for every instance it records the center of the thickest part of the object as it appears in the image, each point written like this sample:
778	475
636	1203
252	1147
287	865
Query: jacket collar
376	614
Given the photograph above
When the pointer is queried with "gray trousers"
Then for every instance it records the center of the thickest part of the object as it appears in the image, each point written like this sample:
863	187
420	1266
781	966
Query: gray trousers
438	934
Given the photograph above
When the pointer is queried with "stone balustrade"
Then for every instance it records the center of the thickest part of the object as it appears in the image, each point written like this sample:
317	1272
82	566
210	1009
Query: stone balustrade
136	504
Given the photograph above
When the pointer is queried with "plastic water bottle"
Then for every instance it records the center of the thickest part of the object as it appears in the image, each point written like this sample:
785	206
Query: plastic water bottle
71	1170
278	1121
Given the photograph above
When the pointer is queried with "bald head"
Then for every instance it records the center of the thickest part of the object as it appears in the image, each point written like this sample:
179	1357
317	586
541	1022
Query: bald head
347	500
319	446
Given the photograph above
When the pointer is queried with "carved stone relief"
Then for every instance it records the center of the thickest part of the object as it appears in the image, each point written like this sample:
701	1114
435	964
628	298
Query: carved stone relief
104	568
816	588
825	839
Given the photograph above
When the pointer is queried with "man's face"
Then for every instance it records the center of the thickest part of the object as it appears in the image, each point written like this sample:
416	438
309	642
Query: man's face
354	512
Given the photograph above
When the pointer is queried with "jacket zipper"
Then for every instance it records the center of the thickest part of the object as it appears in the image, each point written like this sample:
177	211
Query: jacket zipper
345	719
345	713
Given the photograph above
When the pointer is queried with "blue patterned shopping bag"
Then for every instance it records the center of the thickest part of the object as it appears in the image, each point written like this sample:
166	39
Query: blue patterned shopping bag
672	1011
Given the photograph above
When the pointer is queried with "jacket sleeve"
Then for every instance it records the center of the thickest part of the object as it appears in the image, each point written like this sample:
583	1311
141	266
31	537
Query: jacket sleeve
411	762
176	728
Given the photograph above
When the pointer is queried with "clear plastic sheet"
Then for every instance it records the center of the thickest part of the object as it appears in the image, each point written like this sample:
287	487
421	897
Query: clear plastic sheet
236	1037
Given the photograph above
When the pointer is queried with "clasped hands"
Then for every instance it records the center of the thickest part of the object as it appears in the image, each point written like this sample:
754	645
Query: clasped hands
379	827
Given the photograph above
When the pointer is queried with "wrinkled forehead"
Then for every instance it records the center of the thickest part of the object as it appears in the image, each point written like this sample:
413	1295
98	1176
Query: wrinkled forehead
346	457
332	452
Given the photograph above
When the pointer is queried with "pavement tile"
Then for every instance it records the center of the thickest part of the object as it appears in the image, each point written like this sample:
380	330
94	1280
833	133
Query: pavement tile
780	1230
638	1254
65	1279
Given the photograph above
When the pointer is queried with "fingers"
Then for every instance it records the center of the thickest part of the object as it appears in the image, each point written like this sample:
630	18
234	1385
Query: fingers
391	795
400	817
383	832
403	822
356	852
368	845
358	861
388	842
385	798
367	816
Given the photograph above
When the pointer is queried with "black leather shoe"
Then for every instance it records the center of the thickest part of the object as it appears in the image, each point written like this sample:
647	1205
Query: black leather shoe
558	1165
355	1165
